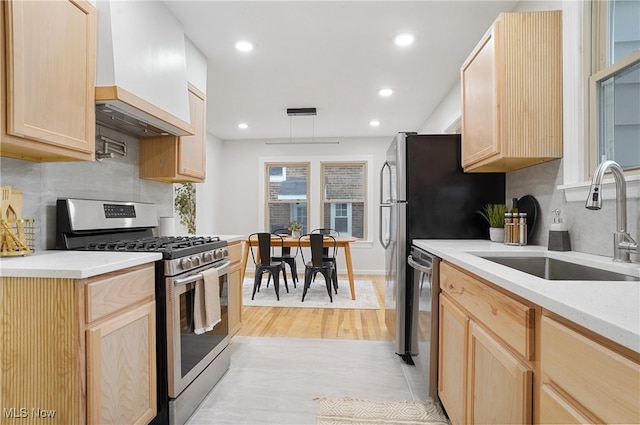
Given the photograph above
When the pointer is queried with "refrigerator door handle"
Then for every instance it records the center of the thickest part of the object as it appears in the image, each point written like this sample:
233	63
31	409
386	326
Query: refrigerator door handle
385	244
384	203
382	200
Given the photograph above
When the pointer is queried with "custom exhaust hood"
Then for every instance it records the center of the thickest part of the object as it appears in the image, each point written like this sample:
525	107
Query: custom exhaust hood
141	74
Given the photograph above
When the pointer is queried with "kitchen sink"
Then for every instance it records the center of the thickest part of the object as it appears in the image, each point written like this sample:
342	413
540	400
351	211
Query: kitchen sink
553	269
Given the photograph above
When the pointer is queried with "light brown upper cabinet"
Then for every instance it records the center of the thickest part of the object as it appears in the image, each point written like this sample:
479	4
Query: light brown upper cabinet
48	78
512	94
175	159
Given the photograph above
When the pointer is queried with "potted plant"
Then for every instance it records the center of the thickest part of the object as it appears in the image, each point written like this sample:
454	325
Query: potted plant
295	228
185	205
494	214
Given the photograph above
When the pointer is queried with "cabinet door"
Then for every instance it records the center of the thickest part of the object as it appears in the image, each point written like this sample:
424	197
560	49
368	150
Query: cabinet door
191	151
479	98
50	77
598	378
500	386
173	159
121	368
554	409
452	369
512	94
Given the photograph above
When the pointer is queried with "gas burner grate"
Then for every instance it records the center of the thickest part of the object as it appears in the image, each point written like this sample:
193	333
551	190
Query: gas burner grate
170	246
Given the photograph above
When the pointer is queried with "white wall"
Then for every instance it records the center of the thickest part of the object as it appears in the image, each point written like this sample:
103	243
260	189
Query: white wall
446	113
209	193
239	209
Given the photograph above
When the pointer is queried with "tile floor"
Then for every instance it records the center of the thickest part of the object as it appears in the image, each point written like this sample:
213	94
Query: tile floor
275	380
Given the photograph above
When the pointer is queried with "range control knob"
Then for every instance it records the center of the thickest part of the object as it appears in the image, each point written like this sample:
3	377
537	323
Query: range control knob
186	263
225	252
217	253
195	260
207	257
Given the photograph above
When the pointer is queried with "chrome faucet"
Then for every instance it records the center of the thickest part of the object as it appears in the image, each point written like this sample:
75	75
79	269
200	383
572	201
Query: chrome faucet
623	243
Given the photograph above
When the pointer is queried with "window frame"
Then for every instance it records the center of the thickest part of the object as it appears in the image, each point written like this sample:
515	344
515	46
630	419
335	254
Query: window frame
579	56
267	178
364	201
599	71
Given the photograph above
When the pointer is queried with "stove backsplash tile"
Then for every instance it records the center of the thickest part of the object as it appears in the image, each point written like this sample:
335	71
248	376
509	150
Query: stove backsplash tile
114	179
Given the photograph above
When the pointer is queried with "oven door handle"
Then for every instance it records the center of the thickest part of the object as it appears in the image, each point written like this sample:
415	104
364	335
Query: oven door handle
423	268
223	268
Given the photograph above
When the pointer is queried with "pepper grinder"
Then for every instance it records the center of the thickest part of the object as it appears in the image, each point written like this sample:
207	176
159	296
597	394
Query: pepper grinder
558	234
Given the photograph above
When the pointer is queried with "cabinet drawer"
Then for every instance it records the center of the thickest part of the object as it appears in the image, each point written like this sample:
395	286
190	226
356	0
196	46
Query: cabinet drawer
603	381
513	321
235	252
106	295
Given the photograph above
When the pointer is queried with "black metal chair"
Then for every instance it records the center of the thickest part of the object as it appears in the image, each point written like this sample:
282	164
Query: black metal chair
286	256
263	262
318	264
325	251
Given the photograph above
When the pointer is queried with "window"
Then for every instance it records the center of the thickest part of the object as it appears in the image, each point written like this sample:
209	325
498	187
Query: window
615	83
344	197
287	189
331	191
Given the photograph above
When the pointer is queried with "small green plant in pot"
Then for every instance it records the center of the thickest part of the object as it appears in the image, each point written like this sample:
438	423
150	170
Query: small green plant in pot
295	228
494	215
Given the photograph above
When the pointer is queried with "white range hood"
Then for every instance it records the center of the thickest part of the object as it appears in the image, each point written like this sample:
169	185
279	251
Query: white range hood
141	74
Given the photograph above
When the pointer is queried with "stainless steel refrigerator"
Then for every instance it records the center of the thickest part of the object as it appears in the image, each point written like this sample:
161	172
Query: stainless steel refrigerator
424	194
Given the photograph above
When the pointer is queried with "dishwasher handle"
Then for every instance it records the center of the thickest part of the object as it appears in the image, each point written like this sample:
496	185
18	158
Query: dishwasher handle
420	267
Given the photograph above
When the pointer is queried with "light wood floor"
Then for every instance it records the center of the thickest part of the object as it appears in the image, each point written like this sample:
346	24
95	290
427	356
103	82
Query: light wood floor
318	322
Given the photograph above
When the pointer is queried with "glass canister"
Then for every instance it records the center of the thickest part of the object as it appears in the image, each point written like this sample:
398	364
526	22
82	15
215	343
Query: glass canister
522	228
508	228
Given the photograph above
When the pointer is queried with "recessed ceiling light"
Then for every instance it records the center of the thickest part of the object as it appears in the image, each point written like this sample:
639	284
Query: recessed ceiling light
244	46
243	125
385	92
403	39
374	123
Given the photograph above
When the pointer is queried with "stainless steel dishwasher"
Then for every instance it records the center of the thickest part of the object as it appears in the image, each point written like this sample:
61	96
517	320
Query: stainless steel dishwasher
422	315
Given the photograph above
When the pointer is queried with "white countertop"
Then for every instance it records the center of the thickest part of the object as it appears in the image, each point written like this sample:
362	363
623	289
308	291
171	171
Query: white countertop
79	264
611	309
72	264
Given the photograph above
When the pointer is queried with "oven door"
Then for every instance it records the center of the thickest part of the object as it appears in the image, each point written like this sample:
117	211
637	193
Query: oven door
188	353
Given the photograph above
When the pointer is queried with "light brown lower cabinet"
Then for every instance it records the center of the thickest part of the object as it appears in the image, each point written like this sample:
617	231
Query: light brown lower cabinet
121	373
78	351
481	378
504	360
585	379
452	369
500	386
235	288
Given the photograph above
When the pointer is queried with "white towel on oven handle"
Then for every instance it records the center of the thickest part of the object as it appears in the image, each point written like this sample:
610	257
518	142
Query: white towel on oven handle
206	306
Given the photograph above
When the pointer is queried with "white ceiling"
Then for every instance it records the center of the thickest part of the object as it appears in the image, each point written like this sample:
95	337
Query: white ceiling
331	55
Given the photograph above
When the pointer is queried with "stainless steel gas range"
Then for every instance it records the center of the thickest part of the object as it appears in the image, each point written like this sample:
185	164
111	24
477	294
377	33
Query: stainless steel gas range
188	364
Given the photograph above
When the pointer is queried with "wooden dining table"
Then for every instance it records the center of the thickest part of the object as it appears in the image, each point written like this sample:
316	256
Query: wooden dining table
343	242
